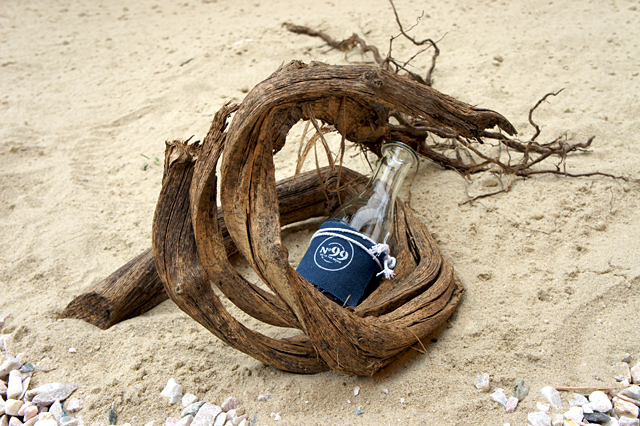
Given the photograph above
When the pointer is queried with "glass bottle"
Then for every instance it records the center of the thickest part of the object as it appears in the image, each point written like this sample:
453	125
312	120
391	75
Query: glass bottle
371	212
349	251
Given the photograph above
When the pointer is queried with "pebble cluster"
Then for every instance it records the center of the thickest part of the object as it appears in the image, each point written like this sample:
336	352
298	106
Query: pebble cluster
51	405
611	408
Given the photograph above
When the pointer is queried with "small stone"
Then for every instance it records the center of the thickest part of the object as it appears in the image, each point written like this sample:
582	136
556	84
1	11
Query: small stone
47	394
627	421
221	419
231	414
635	374
276	416
577	400
596	418
192	409
356	391
4	420
385	391
185	421
73	405
575	413
151	423
69	421
9	364
14	421
599	401
264	398
14	385
72	350
27	368
12	406
482	382
626	358
542	407
539	419
206	415
236	421
173	391
229	404
558	420
31	421
512	403
359	411
56	410
30	413
553	396
112	416
632	392
188	399
499	397
521	390
625	408
172	421
25	386
46	422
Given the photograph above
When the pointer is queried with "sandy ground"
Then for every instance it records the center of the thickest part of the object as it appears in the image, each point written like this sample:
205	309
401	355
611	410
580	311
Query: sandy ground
90	89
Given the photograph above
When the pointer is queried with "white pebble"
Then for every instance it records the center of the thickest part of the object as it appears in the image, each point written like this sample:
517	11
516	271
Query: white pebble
577	400
185	421
9	364
356	391
635	373
264	398
599	401
628	421
276	416
539	419
625	408
173	391
46	422
73	405
553	396
188	399
151	423
206	415
172	421
512	403
482	383
72	350
542	407
575	413
558	420
221	419
29	413
14	386
14	421
69	421
12	406
499	397
229	404
385	391
632	392
238	420
56	410
244	422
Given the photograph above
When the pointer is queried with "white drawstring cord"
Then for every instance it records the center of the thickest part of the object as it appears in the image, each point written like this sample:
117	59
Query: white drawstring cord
377	249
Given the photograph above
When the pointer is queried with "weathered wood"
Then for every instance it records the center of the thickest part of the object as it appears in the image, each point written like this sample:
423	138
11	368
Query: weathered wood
130	291
135	287
189	245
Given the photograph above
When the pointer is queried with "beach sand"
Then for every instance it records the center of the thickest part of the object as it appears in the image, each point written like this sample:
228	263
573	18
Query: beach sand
90	91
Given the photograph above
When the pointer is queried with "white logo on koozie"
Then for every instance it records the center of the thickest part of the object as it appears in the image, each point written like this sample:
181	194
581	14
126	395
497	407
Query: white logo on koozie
333	254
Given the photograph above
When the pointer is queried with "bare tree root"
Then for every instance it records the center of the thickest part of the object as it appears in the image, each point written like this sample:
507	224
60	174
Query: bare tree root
508	156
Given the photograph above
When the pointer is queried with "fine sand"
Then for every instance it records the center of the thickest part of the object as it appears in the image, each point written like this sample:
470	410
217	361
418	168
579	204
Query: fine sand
90	91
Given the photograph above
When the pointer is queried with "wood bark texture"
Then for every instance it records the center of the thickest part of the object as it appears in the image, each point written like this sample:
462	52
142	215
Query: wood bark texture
190	246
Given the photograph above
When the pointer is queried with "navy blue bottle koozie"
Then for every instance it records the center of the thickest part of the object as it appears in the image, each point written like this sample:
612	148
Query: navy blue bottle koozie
339	262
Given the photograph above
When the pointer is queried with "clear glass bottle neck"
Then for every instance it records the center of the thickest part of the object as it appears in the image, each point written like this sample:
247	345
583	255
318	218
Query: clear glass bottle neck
371	212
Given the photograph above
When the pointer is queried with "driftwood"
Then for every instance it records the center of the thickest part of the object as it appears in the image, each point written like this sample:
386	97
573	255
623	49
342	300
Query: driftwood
189	247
